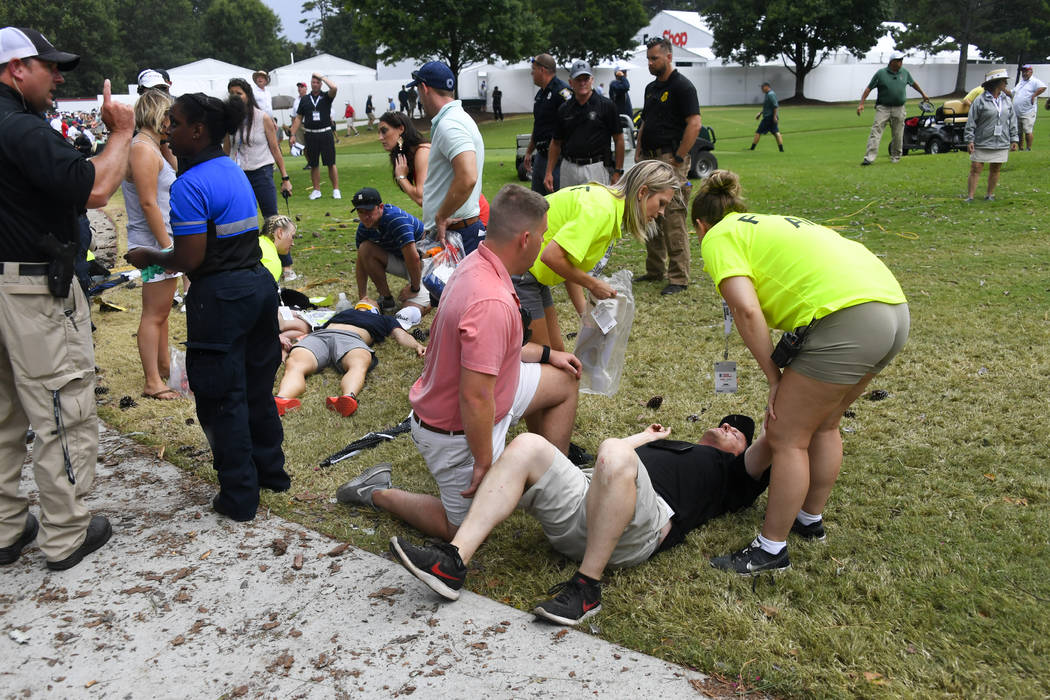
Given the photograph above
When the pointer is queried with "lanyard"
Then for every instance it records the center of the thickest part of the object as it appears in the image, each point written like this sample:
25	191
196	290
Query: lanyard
315	100
727	327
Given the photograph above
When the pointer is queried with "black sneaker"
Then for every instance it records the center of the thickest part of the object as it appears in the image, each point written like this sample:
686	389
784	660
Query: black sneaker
574	601
11	553
813	532
579	456
752	559
438	565
98	534
673	289
387	306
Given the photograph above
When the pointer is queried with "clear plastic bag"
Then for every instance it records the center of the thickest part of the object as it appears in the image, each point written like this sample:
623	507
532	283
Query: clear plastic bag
178	380
601	344
438	268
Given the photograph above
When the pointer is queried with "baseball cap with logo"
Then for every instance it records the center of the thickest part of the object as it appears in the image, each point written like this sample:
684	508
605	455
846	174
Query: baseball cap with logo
897	56
366	198
434	74
19	42
579	68
150	78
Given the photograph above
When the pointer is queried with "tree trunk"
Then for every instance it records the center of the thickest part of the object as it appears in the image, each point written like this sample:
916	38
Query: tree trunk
964	47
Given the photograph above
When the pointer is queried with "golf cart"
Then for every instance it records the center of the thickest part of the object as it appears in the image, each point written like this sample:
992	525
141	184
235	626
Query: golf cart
935	131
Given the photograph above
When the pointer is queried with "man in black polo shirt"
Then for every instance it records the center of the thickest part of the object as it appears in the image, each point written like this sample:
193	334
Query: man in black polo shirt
47	362
315	114
644	495
670	124
581	135
553	92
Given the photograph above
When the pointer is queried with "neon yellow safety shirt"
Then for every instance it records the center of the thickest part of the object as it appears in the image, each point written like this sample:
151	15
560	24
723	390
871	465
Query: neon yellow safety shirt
584	220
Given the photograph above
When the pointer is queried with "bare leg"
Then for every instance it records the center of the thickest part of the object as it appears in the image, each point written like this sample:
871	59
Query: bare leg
153	330
971	181
993	177
550	316
300	365
552	411
355	365
373	259
526	459
540	332
754	141
333	175
315	177
423	512
610	504
780	139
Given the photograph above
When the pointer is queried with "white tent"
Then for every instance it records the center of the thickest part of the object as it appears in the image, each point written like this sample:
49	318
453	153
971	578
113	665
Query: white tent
207	75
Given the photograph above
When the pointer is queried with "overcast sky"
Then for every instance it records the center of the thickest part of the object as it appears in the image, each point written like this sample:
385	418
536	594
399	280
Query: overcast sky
290	12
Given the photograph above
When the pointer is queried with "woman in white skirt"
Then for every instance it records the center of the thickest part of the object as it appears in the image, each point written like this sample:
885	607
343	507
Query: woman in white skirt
991	132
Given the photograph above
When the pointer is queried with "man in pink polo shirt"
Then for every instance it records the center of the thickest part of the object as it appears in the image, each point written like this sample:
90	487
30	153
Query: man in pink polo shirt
479	378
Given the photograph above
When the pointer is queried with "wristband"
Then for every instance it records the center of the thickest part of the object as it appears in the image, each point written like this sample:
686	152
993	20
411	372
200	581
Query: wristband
415	290
546	356
285	178
678	158
618	171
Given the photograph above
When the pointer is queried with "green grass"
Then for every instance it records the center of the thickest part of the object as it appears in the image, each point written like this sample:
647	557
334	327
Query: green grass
933	581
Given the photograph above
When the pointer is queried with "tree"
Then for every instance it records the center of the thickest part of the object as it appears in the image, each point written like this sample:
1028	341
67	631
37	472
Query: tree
460	33
802	33
337	33
1015	30
582	28
244	32
158	35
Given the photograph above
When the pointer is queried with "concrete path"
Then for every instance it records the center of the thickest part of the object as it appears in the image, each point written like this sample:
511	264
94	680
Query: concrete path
183	603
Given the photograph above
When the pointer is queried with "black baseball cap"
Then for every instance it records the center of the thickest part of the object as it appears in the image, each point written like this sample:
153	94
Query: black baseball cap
366	198
19	42
742	423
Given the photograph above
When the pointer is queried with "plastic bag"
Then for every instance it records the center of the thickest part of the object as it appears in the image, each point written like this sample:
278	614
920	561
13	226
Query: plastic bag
601	344
178	380
439	267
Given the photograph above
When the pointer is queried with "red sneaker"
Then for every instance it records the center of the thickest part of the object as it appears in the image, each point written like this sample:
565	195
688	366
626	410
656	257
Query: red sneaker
344	405
285	405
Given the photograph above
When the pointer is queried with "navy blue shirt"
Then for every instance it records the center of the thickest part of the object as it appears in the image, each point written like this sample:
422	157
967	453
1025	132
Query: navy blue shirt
620	94
545	111
379	327
395	229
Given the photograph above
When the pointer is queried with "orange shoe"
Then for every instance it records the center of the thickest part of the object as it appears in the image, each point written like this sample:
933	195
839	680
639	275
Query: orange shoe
285	405
344	405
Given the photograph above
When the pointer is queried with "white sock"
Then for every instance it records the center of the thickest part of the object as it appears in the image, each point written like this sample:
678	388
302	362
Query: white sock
808	518
769	545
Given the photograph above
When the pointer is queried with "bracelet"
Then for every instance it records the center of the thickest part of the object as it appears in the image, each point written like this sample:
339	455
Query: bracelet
285	178
402	177
546	356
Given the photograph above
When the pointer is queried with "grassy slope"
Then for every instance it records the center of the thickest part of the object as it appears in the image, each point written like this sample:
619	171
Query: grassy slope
933	579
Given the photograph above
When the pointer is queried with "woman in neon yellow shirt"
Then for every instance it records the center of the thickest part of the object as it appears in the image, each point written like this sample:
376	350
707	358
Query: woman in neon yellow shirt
582	224
789	273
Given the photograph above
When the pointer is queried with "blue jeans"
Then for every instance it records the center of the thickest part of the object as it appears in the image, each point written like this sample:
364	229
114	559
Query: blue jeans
472	235
232	357
261	180
539	171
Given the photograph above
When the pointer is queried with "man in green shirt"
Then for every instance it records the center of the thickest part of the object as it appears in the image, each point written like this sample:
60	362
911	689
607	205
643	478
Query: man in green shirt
770	116
892	83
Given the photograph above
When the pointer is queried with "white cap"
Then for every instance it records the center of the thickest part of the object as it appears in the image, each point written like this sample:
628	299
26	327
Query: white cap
897	56
150	78
996	74
29	43
408	316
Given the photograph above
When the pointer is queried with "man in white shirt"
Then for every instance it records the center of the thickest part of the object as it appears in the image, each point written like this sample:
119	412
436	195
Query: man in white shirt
1026	95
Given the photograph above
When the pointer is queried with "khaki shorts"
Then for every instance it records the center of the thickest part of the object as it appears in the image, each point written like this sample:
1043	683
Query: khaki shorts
844	346
1026	121
559	501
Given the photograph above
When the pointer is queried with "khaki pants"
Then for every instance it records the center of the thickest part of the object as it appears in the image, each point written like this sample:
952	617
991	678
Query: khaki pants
883	114
572	174
668	250
46	352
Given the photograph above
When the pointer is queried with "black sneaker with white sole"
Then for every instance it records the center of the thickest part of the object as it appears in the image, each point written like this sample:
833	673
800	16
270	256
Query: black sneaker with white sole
438	565
574	601
813	531
358	491
752	559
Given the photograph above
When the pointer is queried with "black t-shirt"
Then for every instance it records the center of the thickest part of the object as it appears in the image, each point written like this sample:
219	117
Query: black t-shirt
545	111
44	182
585	130
667	105
322	104
497	97
700	484
378	326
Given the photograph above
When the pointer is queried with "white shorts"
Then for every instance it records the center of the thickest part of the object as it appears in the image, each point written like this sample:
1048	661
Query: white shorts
559	501
1026	121
396	267
448	457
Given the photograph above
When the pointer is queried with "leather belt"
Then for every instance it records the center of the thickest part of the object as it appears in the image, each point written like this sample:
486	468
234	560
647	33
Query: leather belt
587	160
441	431
317	131
457	225
26	269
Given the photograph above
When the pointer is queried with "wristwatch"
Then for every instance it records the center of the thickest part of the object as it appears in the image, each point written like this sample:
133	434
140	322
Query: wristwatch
415	290
618	171
678	158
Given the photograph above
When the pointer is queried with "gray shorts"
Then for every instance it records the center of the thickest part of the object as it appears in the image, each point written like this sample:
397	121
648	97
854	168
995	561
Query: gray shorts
559	501
535	297
844	346
396	266
329	346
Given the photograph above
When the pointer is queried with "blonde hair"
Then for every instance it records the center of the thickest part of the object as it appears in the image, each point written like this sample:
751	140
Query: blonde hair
655	176
151	109
718	195
275	223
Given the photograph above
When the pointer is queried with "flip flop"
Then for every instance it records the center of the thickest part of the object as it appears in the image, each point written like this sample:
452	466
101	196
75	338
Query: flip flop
158	395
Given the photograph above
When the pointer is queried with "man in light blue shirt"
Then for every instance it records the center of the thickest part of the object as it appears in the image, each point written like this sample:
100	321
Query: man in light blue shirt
452	190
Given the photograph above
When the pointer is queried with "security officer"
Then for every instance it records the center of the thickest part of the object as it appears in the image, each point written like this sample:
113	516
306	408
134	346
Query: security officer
47	363
553	92
585	125
670	125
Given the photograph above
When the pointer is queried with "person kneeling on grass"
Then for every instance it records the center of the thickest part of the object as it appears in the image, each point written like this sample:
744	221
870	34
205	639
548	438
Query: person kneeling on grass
643	496
344	343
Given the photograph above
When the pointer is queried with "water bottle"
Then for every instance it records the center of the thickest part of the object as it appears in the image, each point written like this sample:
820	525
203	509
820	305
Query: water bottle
343	303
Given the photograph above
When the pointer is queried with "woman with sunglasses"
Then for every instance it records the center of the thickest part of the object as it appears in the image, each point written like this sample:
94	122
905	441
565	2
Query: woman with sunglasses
232	343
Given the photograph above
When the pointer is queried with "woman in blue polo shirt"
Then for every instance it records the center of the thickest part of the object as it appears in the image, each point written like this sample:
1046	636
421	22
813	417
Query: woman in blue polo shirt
231	307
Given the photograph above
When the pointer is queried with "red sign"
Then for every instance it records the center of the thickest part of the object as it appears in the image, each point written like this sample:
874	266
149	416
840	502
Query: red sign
679	39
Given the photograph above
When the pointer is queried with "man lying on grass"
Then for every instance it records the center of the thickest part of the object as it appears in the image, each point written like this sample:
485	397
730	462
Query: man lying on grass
643	496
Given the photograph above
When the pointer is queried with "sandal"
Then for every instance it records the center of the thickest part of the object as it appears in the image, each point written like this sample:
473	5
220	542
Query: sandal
162	395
